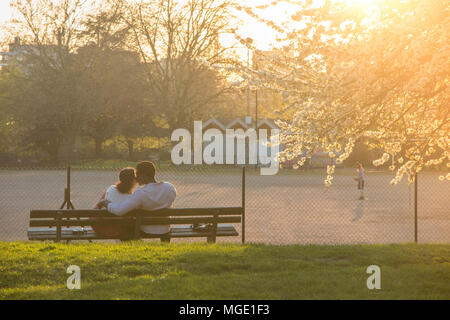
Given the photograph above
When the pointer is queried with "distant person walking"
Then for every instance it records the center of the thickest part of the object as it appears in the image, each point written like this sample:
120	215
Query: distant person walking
360	179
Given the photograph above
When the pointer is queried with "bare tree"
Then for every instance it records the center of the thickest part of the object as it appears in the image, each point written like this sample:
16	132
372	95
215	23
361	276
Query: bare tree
179	45
48	39
111	81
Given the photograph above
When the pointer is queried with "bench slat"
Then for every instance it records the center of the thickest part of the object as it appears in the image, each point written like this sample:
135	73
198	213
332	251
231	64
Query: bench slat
39	214
176	232
65	230
130	221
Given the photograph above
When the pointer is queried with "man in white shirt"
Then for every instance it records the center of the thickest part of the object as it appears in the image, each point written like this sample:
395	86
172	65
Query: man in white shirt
152	195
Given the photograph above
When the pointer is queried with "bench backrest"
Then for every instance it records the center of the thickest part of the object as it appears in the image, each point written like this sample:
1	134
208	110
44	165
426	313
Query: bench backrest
83	218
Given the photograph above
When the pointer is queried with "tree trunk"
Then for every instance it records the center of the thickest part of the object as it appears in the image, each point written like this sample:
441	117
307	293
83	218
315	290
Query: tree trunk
98	148
66	148
130	144
52	150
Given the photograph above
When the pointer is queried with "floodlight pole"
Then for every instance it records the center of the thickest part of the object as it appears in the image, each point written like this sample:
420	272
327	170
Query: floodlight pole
248	43
243	205
256	128
255	66
248	84
415	208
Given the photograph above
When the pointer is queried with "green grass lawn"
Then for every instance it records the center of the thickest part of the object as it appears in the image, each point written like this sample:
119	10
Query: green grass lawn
150	270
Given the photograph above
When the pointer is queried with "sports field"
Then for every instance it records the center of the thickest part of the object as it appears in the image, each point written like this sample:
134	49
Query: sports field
282	209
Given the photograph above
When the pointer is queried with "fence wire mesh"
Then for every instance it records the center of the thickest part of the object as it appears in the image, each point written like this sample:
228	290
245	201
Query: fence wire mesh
292	207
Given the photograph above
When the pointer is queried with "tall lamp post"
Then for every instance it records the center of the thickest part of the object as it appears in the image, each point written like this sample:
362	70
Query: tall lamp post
255	67
248	43
256	110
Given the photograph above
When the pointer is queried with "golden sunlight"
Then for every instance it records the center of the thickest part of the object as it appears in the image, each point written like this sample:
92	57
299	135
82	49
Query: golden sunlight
362	3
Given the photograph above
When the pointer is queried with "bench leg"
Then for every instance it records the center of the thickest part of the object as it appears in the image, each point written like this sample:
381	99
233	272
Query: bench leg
211	239
166	240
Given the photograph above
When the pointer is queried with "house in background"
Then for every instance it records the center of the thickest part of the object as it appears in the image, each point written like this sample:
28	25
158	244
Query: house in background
26	55
317	160
213	123
237	123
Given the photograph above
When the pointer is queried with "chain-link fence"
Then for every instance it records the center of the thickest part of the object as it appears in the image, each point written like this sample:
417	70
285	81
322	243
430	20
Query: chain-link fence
292	207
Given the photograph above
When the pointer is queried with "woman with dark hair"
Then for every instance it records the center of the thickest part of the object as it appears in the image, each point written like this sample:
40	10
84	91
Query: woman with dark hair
117	193
124	188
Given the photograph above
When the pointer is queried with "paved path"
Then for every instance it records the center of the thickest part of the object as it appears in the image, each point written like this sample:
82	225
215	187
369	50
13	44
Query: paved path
280	209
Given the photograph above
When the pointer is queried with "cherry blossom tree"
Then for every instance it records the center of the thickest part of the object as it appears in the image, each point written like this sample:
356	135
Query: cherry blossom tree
379	72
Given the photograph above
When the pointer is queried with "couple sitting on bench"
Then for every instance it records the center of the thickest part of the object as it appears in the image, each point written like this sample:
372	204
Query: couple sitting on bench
146	213
121	199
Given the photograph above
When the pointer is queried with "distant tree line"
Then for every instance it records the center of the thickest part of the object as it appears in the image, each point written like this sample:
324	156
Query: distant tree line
90	73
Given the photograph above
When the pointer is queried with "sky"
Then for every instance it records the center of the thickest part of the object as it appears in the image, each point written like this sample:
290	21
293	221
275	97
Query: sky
263	35
5	10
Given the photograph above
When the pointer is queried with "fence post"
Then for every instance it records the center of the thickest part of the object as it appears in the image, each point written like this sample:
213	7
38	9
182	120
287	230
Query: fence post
137	226
58	219
68	186
67	201
415	208
243	204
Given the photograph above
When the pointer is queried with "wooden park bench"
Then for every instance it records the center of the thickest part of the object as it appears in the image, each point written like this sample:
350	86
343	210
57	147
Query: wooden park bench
70	224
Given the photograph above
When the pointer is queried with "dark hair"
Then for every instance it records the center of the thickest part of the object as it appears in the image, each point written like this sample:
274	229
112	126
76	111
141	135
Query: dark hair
146	169
126	183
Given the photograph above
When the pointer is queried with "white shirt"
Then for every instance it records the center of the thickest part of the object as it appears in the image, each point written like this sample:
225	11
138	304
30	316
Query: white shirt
361	174
115	196
152	196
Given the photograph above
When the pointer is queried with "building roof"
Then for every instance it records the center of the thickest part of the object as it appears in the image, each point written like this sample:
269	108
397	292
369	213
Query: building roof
213	121
268	122
237	121
224	124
